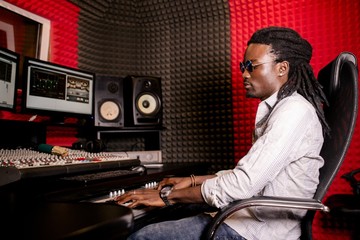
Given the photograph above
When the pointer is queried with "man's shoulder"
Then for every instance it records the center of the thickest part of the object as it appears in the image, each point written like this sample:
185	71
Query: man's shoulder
296	98
296	102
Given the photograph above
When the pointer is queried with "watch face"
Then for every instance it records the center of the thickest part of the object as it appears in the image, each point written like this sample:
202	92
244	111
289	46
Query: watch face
166	189
164	193
109	110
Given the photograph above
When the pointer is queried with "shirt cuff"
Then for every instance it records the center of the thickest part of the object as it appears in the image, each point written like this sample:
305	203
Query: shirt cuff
208	191
222	172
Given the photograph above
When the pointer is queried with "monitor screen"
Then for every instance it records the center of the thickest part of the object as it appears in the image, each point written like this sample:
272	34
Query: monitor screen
9	70
56	90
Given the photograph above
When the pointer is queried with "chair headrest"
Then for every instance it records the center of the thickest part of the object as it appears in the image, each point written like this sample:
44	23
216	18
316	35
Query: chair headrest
329	75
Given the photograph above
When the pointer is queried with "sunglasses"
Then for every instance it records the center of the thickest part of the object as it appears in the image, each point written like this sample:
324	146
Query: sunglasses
249	66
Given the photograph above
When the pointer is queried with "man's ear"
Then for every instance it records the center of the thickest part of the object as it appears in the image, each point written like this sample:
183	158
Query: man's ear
283	68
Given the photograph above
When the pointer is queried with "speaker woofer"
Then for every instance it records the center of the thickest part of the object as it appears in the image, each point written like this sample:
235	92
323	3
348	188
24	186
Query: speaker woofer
148	104
109	110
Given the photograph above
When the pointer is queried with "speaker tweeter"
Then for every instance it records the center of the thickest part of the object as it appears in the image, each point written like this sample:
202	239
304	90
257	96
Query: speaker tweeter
109	101
143	101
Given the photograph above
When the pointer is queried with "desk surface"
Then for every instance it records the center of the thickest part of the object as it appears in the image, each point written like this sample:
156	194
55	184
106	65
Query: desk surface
67	221
49	209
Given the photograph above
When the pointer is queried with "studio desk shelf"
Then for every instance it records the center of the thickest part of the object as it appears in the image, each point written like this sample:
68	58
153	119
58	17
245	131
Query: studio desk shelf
150	137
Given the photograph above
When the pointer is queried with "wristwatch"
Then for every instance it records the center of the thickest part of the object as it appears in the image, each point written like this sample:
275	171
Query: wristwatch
165	192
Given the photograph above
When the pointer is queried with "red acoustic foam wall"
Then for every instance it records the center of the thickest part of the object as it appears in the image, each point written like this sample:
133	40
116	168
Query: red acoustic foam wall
331	26
64	27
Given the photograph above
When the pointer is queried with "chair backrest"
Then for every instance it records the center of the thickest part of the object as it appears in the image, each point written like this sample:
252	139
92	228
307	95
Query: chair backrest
340	82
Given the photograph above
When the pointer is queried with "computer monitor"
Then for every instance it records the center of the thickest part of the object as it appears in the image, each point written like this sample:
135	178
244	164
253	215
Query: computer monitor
9	71
57	91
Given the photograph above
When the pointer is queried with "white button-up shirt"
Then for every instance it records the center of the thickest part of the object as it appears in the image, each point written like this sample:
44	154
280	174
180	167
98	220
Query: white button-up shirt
283	161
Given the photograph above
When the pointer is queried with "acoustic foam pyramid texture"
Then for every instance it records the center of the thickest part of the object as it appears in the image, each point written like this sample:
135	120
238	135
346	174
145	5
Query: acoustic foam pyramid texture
187	44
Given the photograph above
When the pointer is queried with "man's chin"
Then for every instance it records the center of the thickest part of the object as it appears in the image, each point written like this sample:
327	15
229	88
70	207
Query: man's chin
250	95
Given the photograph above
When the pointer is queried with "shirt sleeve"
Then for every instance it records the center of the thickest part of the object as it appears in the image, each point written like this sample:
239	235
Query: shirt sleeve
271	153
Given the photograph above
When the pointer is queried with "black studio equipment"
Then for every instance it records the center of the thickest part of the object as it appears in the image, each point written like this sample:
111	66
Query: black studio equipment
143	101
92	146
21	134
109	102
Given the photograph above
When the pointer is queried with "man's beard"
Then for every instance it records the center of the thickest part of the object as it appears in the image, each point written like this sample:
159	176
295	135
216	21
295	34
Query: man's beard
249	95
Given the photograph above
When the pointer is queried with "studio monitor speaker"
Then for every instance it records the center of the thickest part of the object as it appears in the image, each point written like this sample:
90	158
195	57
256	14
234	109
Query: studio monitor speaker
109	101
143	101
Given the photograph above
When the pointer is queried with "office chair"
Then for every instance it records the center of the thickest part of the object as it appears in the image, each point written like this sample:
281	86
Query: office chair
339	79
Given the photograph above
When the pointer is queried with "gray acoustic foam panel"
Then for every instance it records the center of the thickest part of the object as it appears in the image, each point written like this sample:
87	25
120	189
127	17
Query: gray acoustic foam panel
187	44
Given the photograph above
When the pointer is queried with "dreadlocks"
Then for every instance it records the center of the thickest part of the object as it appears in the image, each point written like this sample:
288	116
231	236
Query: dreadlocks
287	45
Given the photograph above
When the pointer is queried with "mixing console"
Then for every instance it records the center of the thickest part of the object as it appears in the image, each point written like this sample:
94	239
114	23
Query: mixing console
16	164
27	158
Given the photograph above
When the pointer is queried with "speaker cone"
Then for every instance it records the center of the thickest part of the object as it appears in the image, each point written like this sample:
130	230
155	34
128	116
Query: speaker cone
148	104
109	110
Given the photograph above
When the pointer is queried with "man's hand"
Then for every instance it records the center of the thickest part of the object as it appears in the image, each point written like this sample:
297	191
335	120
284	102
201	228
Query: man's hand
138	197
176	182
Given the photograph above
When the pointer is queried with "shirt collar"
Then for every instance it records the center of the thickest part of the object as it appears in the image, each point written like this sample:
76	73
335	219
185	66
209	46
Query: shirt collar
265	106
270	101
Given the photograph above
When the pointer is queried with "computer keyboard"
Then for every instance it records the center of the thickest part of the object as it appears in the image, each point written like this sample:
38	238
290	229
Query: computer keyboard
105	175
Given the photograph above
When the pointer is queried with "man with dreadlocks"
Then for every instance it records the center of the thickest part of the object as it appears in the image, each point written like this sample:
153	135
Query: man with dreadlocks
284	159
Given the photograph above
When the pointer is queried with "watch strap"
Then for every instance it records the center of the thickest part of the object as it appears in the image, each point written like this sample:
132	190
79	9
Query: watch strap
166	200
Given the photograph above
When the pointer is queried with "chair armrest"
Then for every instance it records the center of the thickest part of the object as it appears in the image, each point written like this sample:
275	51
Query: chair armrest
282	202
